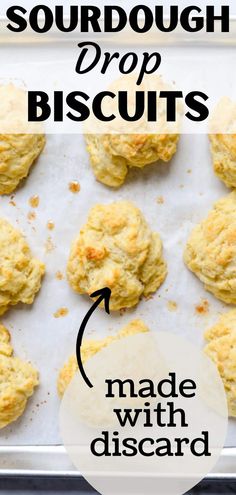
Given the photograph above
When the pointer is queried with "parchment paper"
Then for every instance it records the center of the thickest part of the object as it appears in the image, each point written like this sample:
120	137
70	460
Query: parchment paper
188	188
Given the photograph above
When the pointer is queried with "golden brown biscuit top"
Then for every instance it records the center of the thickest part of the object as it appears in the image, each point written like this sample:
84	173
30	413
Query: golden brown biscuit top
212	244
221	348
17	381
20	273
117	249
5	345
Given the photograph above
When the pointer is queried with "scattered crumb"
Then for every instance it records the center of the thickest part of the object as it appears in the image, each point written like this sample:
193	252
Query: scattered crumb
160	200
172	305
50	225
74	186
59	275
147	298
181	186
189	171
61	312
49	246
31	216
203	307
12	202
34	201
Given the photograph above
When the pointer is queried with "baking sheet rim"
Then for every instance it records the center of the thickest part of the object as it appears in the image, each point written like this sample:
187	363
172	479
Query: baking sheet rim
33	454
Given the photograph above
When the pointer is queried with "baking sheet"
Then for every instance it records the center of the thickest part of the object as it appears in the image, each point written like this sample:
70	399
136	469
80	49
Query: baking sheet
188	188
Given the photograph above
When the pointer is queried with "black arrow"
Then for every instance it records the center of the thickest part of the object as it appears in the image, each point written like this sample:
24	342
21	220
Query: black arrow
105	294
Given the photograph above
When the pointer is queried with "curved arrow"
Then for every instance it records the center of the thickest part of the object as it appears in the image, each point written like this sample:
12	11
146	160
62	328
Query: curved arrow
104	294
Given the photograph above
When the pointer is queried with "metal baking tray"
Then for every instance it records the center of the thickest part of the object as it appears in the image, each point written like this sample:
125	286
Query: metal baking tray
52	460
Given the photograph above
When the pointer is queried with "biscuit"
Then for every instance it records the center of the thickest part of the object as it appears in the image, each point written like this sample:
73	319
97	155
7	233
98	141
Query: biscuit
223	141
18	151
90	347
221	348
223	149
113	151
211	250
117	249
112	155
17	381
20	273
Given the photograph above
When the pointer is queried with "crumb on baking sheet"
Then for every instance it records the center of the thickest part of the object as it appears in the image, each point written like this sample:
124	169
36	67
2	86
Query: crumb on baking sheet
12	203
203	307
147	298
61	312
49	245
189	171
50	225
59	275
172	305
31	216
160	200
34	201
74	186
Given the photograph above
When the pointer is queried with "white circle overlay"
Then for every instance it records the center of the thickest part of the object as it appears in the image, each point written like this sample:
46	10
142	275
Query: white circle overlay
178	425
